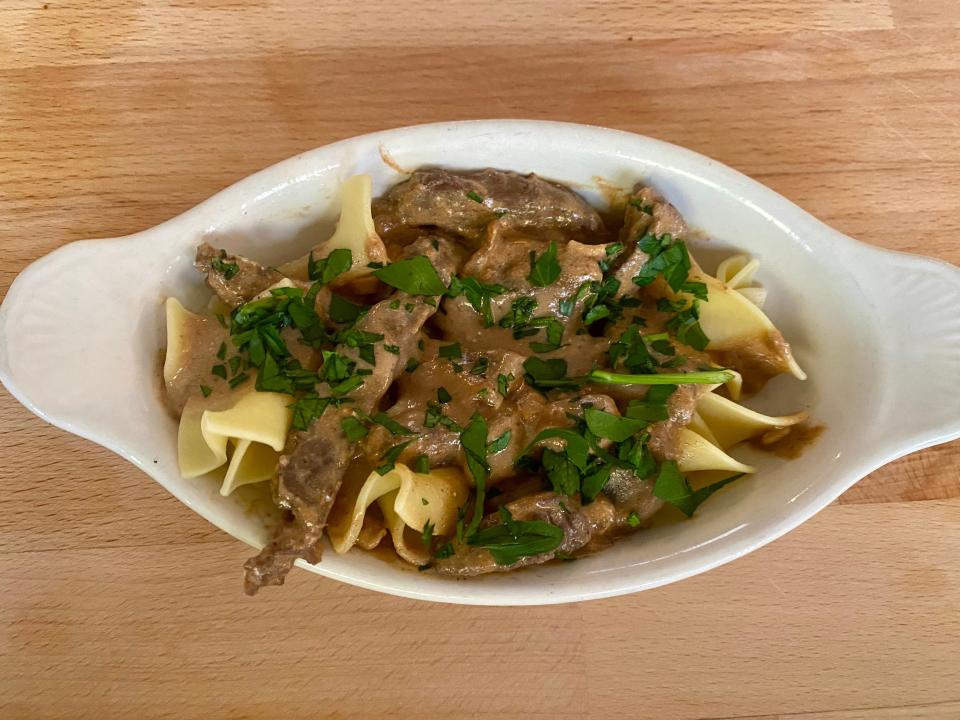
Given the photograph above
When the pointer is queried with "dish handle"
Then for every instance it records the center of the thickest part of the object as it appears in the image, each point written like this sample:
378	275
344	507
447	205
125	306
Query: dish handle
916	306
79	330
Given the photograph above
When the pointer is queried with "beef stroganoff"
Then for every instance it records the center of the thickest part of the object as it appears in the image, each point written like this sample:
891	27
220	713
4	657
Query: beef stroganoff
477	370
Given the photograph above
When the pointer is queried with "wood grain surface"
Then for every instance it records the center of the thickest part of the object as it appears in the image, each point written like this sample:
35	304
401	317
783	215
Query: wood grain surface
117	601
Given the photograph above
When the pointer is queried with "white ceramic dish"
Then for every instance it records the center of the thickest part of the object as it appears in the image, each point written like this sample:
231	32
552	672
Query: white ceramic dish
878	333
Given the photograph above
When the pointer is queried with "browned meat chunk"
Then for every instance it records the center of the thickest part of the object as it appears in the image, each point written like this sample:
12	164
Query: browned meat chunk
580	524
474	389
312	468
466	202
646	212
234	278
504	259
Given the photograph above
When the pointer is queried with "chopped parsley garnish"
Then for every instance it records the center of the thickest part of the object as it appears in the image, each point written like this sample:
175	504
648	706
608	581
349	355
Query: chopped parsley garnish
554	333
672	487
392	425
610	252
610	426
478	294
653	408
561	472
638	204
392	349
544	270
412	364
686	325
343	311
353	428
592	484
630	352
503	383
451	352
325	270
546	373
481	366
511	540
521	310
422	466
427	535
227	269
668	257
473	439
475	196
499	444
414	276
434	416
633	519
307	409
391	456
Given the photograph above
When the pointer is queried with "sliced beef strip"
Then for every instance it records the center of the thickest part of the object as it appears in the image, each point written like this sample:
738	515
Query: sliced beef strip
581	525
311	469
470	393
250	279
504	259
655	216
446	199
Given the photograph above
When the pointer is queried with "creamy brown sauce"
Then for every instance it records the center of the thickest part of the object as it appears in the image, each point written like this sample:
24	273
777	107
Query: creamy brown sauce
491	226
792	444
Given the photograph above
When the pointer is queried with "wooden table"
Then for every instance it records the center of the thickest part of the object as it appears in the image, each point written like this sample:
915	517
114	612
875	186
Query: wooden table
117	601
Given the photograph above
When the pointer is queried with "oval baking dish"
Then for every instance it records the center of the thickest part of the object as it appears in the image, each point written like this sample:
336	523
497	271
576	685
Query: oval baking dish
878	333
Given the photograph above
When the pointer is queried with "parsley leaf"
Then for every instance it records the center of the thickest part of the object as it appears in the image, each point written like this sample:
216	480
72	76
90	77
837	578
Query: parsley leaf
653	408
381	418
544	270
593	483
451	352
667	257
422	466
576	445
686	325
672	487
307	409
325	270
473	439
227	269
391	456
547	373
343	311
478	294
353	428
427	535
511	540
610	426
499	444
561	473
475	196
503	383
270	379
521	310
414	276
